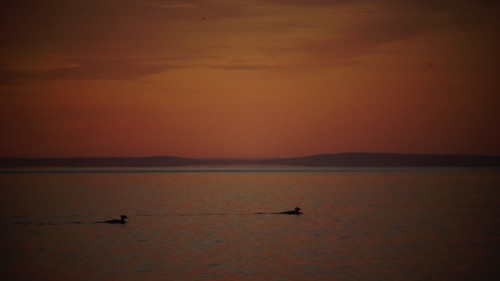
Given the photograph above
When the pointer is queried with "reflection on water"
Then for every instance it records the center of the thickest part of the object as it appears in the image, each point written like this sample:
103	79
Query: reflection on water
366	224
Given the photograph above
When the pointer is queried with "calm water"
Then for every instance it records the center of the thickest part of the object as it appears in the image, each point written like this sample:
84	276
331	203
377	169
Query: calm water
201	224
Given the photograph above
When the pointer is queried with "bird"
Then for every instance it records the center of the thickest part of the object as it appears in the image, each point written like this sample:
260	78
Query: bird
121	220
297	211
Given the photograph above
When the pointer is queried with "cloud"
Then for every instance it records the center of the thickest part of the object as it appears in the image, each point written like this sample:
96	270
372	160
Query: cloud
88	69
95	26
362	38
289	66
93	69
243	67
114	33
353	29
315	2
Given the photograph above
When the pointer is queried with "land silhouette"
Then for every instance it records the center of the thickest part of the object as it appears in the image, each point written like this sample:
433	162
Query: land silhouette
323	160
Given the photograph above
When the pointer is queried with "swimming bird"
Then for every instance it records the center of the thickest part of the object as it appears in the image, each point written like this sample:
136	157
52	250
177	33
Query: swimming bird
121	220
297	211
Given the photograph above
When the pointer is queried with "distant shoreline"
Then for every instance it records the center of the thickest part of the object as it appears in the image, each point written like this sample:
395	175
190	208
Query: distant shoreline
322	160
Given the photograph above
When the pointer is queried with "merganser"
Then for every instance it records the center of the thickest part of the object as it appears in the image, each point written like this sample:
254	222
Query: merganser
292	212
121	220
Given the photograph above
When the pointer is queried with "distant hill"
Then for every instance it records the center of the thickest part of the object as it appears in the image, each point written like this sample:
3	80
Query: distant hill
387	160
324	160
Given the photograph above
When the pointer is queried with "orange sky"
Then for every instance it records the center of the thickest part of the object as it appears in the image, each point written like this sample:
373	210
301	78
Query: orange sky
255	78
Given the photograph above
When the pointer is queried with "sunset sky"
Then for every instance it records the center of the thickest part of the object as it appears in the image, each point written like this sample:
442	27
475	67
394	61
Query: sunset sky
253	78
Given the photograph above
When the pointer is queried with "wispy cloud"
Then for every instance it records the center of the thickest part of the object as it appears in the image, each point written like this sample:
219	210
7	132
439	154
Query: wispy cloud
88	69
243	67
362	38
315	2
123	38
105	27
355	29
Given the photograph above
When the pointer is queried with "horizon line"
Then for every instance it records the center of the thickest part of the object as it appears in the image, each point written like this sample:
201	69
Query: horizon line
247	158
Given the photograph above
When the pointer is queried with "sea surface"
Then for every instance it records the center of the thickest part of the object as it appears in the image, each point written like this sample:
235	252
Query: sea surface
218	223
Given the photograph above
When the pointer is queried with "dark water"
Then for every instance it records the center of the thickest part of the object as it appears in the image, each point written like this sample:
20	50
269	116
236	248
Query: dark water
206	224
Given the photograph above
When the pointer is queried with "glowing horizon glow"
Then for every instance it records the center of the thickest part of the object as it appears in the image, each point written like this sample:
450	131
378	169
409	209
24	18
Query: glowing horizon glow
260	78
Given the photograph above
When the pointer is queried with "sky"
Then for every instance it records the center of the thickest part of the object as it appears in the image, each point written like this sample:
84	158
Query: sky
248	79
